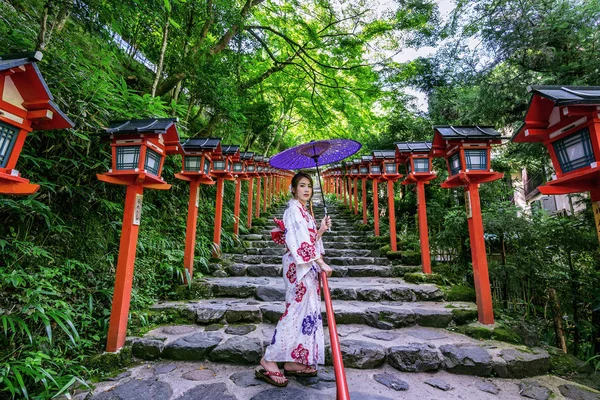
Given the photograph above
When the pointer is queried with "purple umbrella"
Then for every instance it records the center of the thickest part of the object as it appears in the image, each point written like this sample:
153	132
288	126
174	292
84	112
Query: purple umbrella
314	154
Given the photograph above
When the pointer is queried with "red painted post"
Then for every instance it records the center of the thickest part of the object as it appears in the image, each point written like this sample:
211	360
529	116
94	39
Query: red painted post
481	277
376	207
265	193
344	191
423	231
190	230
218	216
336	354
258	184
355	196
392	215
117	328
250	189
364	199
350	194
236	207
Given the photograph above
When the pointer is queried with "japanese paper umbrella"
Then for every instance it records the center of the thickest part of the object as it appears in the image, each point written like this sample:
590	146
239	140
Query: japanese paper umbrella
315	154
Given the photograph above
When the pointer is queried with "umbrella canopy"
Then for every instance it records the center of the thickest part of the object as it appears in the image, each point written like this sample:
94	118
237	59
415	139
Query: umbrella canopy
314	154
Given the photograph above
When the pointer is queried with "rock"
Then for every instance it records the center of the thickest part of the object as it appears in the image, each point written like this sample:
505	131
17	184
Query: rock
487	386
345	330
240	330
272	312
466	359
288	393
387	318
433	318
270	293
178	330
362	354
238	269
521	364
212	327
238	350
367	396
324	380
233	288
147	348
414	357
428	293
439	384
137	390
246	379
199	375
164	369
426	334
401	294
577	393
192	348
391	381
243	313
368	294
343	293
209	313
387	336
220	273
208	391
122	375
533	390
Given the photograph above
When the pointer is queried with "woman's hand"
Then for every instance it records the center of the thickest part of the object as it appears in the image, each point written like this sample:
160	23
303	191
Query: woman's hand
325	224
325	268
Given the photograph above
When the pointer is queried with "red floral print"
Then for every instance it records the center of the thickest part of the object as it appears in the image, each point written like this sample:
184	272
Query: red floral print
306	251
287	306
291	273
304	214
300	292
300	354
313	235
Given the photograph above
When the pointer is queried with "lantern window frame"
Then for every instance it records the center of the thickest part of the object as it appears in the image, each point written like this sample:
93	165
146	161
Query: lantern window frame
206	166
7	144
250	168
216	165
122	151
454	170
373	171
561	148
483	156
422	162
240	165
156	157
364	170
187	166
394	168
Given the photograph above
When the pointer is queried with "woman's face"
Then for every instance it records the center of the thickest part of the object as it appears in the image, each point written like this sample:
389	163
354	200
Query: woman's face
304	189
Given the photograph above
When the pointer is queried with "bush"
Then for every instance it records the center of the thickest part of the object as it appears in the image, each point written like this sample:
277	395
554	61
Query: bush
460	293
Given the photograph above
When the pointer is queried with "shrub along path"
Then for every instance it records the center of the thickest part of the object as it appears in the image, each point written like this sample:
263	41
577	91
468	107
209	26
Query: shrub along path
393	335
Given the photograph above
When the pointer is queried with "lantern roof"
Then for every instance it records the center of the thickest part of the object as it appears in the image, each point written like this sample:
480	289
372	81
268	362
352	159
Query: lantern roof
22	69
384	154
211	144
246	156
449	132
230	149
259	158
366	159
357	161
148	125
413	147
568	95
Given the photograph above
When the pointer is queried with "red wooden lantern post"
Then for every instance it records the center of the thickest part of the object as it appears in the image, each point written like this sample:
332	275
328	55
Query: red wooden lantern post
389	168
349	178
375	175
239	173
26	105
363	171
355	175
250	174
266	173
259	174
195	170
467	152
139	148
566	120
418	171
222	167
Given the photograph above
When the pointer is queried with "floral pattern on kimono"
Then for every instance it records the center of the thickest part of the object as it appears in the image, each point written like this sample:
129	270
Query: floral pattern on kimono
298	336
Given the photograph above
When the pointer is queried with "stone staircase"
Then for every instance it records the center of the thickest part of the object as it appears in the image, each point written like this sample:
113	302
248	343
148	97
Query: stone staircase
386	327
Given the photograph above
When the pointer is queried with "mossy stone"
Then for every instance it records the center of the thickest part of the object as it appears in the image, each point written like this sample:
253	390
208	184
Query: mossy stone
566	364
109	362
385	249
409	257
394	255
460	293
463	316
196	290
506	335
419	277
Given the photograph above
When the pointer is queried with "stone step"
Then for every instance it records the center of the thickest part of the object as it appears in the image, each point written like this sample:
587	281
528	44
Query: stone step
266	259
330	252
365	289
184	380
258	270
413	349
334	232
385	315
252	237
257	245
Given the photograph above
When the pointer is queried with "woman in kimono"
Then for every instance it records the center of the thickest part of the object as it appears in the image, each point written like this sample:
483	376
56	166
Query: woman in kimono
298	338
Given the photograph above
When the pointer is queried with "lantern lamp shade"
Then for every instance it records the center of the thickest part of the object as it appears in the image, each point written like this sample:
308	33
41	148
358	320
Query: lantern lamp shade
454	163
152	162
206	166
574	151
476	159
8	136
219	165
421	164
375	169
192	163
128	157
354	171
238	167
260	168
364	170
390	168
250	168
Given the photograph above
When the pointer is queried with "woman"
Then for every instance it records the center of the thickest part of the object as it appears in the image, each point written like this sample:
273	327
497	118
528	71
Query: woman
298	338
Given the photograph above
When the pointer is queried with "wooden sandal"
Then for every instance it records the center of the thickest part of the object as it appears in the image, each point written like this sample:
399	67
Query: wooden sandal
265	375
301	372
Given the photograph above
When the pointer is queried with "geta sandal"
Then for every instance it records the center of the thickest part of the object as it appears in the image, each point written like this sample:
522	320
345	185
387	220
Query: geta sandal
265	375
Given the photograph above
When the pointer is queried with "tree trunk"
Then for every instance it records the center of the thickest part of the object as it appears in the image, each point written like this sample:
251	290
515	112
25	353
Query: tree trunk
161	59
212	125
41	39
558	326
575	297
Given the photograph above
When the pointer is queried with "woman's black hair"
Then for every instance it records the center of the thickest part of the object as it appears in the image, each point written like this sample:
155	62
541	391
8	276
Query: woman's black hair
296	180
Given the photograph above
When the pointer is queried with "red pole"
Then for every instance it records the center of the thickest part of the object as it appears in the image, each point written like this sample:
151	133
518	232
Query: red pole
265	191
355	196
392	215
481	277
117	328
258	198
190	230
376	207
218	216
336	353
250	189
236	207
350	193
364	200
423	232
344	191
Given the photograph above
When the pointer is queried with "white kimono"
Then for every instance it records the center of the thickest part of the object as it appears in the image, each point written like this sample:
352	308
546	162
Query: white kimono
298	336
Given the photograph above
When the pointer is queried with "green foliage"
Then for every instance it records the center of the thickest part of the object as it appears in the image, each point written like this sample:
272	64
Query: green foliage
419	277
460	293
